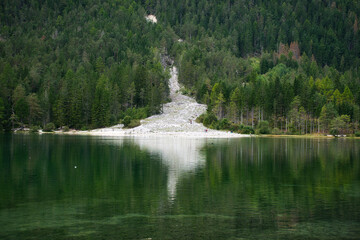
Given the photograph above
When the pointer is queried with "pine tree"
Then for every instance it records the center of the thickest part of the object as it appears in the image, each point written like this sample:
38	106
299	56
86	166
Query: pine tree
131	93
328	112
35	111
219	108
101	105
234	107
337	98
20	105
61	106
347	96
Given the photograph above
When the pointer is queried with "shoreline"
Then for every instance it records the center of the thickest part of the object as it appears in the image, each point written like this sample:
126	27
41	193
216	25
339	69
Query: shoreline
191	135
209	134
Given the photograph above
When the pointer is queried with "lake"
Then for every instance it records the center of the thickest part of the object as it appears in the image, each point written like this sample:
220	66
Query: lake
82	187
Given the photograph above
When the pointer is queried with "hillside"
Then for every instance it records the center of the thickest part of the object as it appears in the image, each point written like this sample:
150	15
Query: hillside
292	66
78	63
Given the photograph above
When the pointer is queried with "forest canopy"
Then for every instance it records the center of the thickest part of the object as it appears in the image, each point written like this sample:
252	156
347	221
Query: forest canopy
290	65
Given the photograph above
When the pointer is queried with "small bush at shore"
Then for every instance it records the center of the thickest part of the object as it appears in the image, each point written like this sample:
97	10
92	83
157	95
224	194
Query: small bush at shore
49	127
210	120
276	131
200	118
263	127
35	129
133	123
246	130
135	113
130	122
224	124
126	121
334	131
234	127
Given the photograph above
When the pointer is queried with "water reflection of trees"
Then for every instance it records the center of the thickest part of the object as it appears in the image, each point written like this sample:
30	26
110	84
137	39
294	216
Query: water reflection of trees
277	182
43	169
240	185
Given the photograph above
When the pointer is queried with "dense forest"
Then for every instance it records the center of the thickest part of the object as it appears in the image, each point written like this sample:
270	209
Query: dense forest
283	66
81	64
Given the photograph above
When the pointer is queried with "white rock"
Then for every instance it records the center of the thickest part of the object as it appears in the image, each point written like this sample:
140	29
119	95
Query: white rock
151	18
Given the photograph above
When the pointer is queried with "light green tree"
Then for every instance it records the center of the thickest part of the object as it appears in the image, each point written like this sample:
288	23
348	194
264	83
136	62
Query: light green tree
340	125
337	98
219	108
328	112
347	96
234	107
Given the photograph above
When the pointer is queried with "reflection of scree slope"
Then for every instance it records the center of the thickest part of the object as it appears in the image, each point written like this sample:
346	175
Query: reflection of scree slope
179	155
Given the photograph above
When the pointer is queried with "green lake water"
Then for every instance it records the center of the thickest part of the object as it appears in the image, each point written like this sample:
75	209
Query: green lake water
79	187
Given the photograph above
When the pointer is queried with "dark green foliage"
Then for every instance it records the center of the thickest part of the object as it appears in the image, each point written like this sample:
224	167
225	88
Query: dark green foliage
224	124
133	123
65	129
234	127
276	131
35	111
79	64
21	109
49	127
2	115
215	125
136	113
216	59
292	130
294	64
246	130
126	121
286	97
327	30
129	122
101	105
357	134
209	119
34	129
334	131
84	128
263	127
200	119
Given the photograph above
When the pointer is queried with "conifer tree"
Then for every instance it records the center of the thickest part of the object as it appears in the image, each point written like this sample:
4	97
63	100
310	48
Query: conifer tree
101	105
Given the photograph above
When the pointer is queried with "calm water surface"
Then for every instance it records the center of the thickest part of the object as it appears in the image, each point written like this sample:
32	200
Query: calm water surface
76	187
